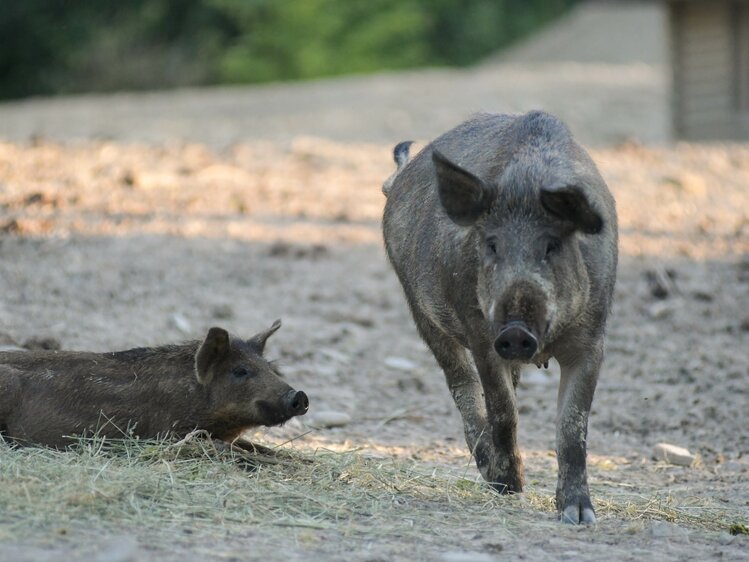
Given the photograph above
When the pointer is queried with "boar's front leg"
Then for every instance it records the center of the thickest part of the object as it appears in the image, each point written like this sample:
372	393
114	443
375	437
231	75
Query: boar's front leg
465	388
576	388
505	472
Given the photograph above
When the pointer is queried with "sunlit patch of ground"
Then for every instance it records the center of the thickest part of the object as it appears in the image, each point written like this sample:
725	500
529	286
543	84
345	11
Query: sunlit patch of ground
103	245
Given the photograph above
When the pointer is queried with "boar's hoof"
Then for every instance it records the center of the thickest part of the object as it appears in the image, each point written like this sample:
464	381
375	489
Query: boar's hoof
515	341
580	511
297	402
507	483
511	488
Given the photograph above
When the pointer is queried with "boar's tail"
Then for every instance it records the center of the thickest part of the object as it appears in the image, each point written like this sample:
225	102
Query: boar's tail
401	153
400	157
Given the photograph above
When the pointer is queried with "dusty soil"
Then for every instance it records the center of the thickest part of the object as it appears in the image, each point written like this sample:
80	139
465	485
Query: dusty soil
233	215
112	245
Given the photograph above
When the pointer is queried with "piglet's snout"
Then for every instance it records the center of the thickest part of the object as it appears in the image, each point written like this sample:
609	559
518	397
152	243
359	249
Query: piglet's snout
516	341
296	402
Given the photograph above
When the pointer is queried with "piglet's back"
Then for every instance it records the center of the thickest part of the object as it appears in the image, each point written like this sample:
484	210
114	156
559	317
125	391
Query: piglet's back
222	384
47	395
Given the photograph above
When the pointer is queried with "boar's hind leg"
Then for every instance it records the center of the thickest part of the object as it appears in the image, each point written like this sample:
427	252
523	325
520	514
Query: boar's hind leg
576	388
498	381
465	388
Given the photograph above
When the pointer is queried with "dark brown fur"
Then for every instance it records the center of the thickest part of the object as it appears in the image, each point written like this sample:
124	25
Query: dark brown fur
222	385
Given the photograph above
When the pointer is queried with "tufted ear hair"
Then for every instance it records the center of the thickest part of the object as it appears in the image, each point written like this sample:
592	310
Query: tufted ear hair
215	346
570	204
464	196
257	342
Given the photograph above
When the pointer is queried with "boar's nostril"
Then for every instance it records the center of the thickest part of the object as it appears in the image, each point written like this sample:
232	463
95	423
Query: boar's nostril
298	402
515	341
301	402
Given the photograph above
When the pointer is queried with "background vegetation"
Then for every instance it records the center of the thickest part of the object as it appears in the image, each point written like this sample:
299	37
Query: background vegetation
65	46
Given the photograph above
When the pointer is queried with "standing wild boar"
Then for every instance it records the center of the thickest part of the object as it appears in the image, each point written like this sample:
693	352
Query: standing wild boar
222	385
504	237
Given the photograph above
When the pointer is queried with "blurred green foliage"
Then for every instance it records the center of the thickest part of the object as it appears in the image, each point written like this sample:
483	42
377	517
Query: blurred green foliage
63	46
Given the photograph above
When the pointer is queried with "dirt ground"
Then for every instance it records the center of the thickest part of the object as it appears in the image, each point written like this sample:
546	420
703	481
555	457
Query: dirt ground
168	226
112	245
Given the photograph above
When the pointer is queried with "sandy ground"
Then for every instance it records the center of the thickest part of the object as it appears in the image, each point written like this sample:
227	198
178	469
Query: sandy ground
131	220
109	246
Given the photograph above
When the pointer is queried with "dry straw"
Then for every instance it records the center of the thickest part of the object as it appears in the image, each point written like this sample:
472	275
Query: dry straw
169	485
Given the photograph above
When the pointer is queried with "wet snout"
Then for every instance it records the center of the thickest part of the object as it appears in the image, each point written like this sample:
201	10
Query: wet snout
516	342
296	402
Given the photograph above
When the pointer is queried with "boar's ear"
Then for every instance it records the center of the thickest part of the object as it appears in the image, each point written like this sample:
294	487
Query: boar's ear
463	196
569	203
257	342
211	351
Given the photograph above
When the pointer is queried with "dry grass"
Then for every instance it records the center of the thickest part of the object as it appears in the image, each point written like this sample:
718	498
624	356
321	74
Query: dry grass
192	483
165	486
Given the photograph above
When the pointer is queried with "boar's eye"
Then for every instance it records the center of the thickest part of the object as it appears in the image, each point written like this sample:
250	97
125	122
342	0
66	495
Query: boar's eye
553	245
491	247
241	372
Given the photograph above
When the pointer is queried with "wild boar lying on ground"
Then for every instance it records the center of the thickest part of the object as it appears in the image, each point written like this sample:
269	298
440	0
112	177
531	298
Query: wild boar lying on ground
504	237
222	385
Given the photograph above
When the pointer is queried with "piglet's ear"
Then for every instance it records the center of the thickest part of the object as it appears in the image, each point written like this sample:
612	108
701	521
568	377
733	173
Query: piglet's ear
569	203
257	342
211	351
463	196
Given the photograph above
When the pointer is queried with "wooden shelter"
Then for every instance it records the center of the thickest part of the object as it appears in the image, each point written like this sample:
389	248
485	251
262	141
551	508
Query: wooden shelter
709	43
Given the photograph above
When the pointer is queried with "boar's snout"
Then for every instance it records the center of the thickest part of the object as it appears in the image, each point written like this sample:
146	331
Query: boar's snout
296	402
516	341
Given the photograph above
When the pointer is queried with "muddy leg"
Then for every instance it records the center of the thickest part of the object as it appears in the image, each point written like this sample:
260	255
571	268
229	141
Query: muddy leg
465	388
498	381
576	388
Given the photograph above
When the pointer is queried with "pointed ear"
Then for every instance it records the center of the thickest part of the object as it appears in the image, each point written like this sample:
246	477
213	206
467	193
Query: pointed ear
463	196
211	351
569	203
257	342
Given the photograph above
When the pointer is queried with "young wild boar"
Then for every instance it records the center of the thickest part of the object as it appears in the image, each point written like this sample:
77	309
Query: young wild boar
222	385
504	237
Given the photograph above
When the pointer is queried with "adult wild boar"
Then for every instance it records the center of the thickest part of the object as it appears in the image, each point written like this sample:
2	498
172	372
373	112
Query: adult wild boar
504	237
222	384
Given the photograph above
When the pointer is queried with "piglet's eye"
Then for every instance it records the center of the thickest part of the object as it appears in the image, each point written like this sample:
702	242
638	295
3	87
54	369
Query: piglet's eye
241	372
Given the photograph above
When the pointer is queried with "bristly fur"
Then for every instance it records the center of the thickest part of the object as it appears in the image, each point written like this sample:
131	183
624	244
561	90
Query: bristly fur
46	396
500	226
